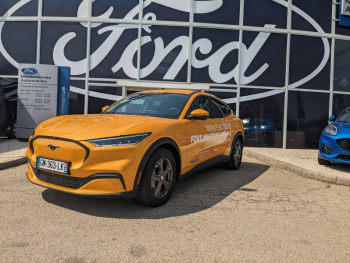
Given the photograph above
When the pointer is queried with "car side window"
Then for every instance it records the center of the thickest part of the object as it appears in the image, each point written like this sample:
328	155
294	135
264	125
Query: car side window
220	110
201	102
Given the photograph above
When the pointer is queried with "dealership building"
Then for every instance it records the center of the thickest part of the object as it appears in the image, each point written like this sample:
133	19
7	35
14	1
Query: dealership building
282	66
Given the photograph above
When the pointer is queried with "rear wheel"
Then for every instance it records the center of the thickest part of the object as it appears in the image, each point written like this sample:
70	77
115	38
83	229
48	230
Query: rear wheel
158	179
11	132
323	162
236	155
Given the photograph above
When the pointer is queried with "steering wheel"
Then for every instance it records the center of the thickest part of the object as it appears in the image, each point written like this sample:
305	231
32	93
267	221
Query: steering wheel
174	109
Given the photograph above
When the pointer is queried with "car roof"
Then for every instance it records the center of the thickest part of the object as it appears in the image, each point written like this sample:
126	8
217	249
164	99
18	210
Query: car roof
179	91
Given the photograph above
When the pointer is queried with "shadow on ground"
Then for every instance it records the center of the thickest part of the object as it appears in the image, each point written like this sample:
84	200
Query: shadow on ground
341	167
193	194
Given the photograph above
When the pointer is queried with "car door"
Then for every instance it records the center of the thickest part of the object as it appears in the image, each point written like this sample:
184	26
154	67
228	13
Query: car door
201	133
225	125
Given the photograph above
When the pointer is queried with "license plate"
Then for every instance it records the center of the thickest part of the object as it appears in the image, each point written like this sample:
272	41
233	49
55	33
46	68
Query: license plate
52	165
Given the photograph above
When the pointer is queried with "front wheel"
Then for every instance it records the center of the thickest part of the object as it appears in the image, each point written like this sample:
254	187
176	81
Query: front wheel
158	179
236	155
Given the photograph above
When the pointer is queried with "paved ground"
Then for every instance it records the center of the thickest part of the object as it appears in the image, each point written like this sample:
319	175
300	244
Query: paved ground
11	149
303	158
256	214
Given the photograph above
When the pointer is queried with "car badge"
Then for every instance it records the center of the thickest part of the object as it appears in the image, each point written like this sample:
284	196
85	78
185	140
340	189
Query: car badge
53	147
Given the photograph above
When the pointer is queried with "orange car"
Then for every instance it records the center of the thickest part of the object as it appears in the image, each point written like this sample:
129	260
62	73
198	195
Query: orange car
137	148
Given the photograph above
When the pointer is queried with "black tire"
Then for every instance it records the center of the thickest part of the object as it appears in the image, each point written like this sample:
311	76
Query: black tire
156	184
11	132
236	155
323	162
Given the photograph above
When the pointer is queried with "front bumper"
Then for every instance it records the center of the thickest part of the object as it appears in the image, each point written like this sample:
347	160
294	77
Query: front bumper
329	150
93	171
98	185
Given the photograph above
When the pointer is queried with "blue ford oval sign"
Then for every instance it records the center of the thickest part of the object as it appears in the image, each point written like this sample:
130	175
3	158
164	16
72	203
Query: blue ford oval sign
29	70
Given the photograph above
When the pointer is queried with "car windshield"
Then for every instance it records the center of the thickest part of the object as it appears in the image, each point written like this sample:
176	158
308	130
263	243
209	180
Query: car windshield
345	117
164	105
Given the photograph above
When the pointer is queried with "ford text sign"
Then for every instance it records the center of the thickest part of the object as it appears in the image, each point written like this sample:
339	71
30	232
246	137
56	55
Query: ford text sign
29	70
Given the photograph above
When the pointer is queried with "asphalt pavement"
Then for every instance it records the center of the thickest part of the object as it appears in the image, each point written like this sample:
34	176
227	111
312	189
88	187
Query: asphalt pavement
256	214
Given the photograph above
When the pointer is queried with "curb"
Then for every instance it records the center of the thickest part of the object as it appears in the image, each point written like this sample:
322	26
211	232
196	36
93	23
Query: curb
12	163
298	170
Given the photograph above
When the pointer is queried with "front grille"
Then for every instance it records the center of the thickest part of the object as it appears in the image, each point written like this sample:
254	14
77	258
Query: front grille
344	144
87	150
57	179
344	157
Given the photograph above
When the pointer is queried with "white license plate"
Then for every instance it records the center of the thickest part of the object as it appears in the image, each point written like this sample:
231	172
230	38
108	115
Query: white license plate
52	165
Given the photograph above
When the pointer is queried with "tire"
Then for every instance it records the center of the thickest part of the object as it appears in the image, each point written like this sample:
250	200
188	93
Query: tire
323	162
157	184
11	132
236	155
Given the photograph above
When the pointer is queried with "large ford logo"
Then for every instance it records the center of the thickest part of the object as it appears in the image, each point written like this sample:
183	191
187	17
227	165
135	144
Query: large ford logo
200	47
29	70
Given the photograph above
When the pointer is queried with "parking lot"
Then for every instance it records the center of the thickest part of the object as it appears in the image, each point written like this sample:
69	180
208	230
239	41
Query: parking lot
256	214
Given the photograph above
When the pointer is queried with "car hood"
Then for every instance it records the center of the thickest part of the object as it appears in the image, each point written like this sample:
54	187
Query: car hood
85	127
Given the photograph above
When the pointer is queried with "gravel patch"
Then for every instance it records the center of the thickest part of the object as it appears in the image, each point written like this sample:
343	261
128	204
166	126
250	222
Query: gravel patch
12	149
306	159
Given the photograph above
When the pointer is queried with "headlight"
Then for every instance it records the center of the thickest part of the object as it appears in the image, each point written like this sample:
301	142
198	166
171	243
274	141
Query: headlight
120	141
331	130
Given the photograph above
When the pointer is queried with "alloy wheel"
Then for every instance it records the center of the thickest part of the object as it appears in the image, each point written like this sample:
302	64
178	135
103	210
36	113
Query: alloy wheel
237	152
162	178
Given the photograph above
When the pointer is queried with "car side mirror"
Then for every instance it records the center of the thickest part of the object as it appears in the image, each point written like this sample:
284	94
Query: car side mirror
199	114
105	108
332	118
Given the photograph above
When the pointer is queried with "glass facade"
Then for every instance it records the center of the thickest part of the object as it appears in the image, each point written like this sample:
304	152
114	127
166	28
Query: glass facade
281	65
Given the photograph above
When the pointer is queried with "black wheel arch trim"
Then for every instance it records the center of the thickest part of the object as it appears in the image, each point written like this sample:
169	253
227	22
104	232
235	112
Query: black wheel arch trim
147	155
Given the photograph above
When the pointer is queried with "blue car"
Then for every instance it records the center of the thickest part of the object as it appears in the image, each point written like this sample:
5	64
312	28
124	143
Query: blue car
335	140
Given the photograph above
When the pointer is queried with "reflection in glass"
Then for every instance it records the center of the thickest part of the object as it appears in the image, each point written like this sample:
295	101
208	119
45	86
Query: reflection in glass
28	9
306	56
227	13
165	13
228	97
63	8
164	53
307	117
73	51
121	9
77	97
102	96
340	102
262	12
320	12
262	118
342	66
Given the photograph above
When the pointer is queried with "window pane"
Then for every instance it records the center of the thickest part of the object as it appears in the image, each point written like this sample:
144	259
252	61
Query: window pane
71	53
265	12
63	8
214	55
307	117
121	9
77	97
270	54
321	12
219	109
27	9
342	66
262	114
309	56
227	13
228	97
340	102
100	97
163	12
20	46
201	102
164	53
110	55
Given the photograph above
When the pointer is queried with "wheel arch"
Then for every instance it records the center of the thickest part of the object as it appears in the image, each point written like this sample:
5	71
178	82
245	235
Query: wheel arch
166	143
